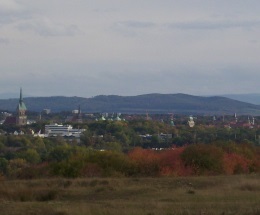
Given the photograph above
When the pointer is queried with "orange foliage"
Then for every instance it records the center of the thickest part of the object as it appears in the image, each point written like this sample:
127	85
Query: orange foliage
140	155
171	163
163	163
235	163
146	160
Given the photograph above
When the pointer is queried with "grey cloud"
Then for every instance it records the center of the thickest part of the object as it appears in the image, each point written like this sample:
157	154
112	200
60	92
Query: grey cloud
4	40
213	25
169	51
253	41
11	11
48	28
136	24
9	7
128	28
27	20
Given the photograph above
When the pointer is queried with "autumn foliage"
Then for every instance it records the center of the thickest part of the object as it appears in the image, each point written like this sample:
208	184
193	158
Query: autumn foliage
194	159
197	159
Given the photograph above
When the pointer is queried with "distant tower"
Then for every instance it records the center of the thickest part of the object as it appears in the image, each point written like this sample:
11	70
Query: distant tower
147	116
117	117
171	119
79	115
235	117
214	118
191	122
21	118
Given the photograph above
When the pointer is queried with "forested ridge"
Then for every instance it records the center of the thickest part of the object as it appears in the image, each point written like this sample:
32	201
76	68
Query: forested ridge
154	103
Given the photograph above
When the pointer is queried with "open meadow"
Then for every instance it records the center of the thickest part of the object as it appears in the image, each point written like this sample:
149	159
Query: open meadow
239	194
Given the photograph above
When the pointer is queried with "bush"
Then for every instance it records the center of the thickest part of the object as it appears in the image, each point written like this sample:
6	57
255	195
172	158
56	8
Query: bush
204	159
30	155
15	167
171	163
94	163
112	163
146	161
3	166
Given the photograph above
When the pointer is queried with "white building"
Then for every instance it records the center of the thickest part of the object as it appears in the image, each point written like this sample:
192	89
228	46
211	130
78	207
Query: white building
62	130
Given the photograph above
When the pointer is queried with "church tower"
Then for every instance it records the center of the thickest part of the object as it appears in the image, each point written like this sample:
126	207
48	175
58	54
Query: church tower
21	118
79	116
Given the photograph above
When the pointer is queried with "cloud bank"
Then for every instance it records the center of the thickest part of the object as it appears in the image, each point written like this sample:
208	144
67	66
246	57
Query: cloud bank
87	48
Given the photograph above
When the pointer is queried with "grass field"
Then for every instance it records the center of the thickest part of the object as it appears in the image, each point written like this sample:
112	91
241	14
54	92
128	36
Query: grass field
222	195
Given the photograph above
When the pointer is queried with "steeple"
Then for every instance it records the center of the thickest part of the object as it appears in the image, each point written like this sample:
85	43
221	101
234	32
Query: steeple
21	96
79	115
79	110
21	118
21	105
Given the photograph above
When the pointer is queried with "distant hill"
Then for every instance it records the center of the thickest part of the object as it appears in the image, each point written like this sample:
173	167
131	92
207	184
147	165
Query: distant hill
252	98
153	103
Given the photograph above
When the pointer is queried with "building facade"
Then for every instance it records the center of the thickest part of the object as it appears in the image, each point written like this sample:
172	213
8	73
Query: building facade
53	130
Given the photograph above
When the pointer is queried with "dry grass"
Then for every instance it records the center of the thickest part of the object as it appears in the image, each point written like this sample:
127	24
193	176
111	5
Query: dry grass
222	195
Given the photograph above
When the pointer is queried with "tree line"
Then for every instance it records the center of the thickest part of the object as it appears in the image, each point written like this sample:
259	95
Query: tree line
117	149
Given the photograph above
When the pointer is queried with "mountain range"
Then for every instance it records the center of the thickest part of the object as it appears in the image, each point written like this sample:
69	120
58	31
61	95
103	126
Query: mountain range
152	103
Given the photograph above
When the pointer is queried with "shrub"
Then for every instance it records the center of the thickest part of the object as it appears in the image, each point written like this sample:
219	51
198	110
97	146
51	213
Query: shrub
171	163
3	165
15	167
113	163
204	159
94	163
30	155
146	161
235	164
35	171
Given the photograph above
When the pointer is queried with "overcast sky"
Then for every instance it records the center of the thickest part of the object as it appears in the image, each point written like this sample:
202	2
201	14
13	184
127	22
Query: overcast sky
129	47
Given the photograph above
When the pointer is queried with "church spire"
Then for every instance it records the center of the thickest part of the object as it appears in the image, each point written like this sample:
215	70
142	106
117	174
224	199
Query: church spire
21	105
21	95
21	118
79	110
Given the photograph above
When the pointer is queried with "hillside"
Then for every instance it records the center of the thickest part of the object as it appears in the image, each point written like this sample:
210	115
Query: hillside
153	103
253	98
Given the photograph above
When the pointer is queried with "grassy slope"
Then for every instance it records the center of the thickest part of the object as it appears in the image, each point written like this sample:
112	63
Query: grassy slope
139	196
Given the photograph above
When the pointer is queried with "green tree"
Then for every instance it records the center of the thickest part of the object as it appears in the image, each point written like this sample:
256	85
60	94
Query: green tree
203	158
3	165
113	146
60	153
15	167
87	138
31	156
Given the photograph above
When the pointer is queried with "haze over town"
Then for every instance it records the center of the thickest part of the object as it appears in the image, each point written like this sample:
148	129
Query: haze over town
87	48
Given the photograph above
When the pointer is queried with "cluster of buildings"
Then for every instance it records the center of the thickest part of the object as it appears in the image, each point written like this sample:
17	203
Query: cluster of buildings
112	117
52	130
21	117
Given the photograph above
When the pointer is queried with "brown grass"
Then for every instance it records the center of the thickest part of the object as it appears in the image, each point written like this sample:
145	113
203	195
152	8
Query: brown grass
218	195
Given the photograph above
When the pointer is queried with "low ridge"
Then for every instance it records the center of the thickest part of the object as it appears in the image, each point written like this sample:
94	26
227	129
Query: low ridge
153	103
